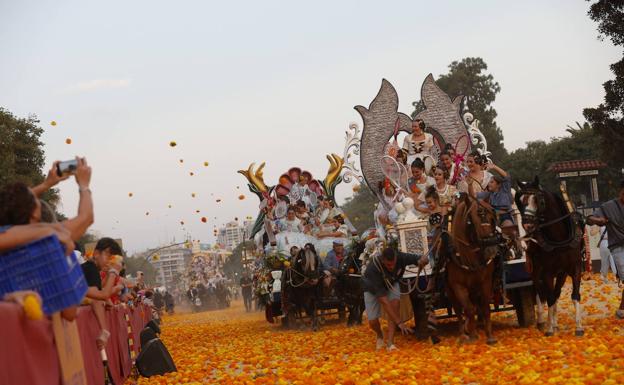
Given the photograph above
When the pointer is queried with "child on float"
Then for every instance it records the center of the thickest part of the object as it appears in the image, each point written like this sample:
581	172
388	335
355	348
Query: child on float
498	195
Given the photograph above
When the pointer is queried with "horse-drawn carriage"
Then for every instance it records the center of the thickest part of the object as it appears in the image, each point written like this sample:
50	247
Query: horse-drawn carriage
469	257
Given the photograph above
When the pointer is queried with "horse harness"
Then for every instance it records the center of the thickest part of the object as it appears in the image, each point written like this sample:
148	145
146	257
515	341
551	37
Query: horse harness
574	237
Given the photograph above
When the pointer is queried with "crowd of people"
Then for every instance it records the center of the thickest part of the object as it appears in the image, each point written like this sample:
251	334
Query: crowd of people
25	218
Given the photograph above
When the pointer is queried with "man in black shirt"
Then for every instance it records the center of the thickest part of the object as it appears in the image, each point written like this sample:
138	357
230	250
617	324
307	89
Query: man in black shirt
246	283
381	288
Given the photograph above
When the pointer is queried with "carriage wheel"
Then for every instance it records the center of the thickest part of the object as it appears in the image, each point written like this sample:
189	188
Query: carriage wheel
523	299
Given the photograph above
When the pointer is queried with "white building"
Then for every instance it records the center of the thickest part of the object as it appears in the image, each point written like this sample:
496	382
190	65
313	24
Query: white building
233	235
170	265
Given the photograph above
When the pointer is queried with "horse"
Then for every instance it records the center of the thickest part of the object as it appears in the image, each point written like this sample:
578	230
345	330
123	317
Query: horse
350	288
554	249
469	252
301	285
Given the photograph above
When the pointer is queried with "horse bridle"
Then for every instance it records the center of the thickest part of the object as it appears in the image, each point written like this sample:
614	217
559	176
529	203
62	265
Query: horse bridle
537	218
492	239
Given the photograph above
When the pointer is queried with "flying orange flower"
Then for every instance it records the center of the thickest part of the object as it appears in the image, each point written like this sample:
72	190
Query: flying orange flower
130	195
218	200
203	219
68	141
181	160
193	195
53	123
147	213
191	173
172	144
182	223
241	197
206	164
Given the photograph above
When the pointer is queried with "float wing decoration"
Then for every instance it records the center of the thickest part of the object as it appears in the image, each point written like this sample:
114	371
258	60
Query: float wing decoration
379	122
255	179
443	116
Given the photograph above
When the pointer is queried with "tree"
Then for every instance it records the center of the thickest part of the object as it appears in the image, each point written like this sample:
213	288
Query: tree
359	208
608	118
581	143
21	152
135	264
234	264
467	77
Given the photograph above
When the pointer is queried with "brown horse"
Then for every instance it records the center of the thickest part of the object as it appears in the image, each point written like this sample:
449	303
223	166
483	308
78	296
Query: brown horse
554	249
470	264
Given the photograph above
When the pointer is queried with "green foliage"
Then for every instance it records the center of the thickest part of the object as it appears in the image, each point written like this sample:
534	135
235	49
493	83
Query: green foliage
134	264
234	264
582	143
359	208
608	118
21	152
467	77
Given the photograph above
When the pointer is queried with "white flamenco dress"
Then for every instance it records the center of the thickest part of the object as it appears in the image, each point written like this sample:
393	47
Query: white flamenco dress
421	149
290	234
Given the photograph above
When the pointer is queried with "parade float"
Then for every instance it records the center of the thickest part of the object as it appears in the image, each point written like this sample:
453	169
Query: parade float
452	127
449	124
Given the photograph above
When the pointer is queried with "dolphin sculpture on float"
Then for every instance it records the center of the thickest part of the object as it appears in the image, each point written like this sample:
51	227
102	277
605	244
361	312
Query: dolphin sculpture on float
441	115
379	121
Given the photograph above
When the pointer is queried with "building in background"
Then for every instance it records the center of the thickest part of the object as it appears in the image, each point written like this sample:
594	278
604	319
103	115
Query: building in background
232	235
171	265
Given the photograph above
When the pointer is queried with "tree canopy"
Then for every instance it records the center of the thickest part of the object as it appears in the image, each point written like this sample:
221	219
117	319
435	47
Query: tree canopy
360	207
580	143
21	152
468	77
608	117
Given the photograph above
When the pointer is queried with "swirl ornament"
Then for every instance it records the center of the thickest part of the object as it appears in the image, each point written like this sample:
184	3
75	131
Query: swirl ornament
351	151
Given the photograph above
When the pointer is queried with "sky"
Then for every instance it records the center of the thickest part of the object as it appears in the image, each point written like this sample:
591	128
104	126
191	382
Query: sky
239	82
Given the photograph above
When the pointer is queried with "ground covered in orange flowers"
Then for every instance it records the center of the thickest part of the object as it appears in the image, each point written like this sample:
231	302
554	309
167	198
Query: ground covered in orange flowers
232	347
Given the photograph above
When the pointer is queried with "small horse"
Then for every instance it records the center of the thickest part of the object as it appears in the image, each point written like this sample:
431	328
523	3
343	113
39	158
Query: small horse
350	285
470	264
302	285
554	249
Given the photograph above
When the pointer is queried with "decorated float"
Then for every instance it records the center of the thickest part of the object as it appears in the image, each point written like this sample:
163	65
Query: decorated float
450	128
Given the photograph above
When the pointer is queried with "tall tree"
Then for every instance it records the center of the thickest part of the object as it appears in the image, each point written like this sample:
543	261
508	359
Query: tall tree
21	152
468	77
608	118
359	208
580	143
234	264
135	264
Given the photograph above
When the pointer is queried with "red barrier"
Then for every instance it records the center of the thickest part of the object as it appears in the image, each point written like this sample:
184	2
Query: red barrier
28	354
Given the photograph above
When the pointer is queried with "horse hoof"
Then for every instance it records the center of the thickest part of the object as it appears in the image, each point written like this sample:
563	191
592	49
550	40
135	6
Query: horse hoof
579	333
549	334
541	326
491	341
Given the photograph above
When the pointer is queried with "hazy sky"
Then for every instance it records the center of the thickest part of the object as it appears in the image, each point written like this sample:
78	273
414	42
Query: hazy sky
239	82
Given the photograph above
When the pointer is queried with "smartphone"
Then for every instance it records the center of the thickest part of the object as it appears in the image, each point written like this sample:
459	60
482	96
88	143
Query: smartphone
66	167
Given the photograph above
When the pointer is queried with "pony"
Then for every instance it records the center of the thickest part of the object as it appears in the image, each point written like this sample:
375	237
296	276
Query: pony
351	290
554	251
301	285
470	249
